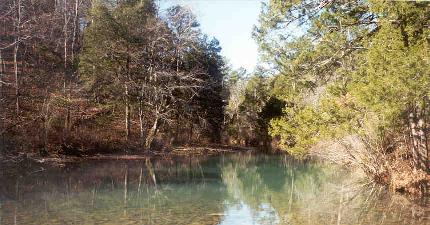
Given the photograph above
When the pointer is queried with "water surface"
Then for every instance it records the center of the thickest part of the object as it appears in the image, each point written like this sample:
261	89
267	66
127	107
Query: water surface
234	189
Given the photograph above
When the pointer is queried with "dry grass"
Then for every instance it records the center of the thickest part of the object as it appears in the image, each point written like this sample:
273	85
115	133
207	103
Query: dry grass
391	167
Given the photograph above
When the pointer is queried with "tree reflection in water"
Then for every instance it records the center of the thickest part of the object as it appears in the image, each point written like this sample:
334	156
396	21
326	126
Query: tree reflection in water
273	188
231	189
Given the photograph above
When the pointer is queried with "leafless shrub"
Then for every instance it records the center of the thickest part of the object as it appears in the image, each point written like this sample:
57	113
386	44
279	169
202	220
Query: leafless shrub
355	152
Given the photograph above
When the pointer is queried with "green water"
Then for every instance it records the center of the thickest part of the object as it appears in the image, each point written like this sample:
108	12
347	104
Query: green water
234	189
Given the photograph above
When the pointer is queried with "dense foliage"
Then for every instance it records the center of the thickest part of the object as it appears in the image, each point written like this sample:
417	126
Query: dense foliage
104	74
349	68
250	108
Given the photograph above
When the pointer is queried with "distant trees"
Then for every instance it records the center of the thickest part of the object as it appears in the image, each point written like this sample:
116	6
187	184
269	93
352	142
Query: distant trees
250	108
76	67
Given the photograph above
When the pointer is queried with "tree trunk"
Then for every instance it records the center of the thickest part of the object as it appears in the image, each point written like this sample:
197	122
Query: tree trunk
46	127
72	48
423	132
15	53
141	127
127	114
45	119
423	147
15	65
127	100
65	45
75	20
65	75
151	134
418	129
1	75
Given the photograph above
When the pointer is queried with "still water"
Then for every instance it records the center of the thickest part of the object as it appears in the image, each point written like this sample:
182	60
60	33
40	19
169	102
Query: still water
232	189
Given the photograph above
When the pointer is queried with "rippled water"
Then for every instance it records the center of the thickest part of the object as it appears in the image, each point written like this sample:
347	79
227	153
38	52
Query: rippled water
235	189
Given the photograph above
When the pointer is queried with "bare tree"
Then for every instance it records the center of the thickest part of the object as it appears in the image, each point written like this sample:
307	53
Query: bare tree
17	25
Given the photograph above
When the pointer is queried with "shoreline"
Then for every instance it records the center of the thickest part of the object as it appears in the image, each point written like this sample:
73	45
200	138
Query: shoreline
175	152
31	160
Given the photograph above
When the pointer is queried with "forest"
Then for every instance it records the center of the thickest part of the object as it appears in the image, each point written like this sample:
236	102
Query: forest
89	75
346	81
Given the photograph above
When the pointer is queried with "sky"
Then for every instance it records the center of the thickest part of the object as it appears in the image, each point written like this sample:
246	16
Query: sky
231	22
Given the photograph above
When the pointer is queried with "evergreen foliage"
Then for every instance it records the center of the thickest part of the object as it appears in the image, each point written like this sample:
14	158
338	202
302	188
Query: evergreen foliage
349	68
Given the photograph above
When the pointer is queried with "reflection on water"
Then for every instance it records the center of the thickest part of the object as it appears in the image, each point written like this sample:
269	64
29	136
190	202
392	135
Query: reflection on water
234	189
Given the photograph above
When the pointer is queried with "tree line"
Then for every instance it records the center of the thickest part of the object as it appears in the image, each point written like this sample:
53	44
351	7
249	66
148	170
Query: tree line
78	74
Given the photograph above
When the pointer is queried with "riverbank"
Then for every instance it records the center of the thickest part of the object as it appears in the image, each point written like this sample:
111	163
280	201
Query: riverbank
401	177
393	169
59	159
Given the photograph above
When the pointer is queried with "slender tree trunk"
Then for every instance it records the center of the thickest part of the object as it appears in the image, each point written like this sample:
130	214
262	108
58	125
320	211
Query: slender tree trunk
413	135
141	105
141	114
151	134
412	141
141	127
15	53
127	114
127	100
75	20
423	134
65	44
46	124
67	122
15	65
426	130
66	19
65	68
1	76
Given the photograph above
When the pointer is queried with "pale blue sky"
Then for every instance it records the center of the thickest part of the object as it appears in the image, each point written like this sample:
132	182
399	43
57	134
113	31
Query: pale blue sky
231	22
